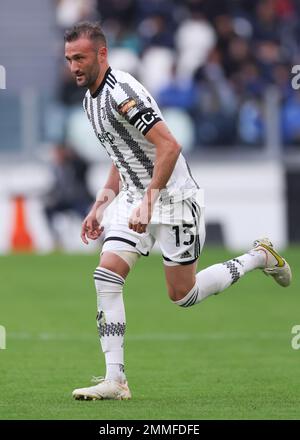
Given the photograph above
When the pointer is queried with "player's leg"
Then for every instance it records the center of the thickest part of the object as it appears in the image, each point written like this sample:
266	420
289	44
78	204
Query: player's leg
209	281
121	249
181	246
180	279
216	278
109	279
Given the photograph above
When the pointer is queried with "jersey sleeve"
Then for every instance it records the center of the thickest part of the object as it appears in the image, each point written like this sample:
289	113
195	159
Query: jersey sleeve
135	106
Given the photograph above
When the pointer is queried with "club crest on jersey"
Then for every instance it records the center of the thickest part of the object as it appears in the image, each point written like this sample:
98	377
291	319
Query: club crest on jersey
103	112
127	107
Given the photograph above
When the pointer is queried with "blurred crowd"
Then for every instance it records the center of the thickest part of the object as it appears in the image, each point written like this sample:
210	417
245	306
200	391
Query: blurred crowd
210	62
69	192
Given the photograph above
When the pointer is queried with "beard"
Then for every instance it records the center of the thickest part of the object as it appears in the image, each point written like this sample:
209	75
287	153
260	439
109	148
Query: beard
84	79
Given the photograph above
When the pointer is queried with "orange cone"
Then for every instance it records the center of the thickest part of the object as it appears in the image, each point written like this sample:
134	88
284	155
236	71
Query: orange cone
21	240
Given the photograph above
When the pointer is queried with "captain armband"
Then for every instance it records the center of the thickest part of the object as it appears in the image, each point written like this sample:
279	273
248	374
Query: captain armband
141	117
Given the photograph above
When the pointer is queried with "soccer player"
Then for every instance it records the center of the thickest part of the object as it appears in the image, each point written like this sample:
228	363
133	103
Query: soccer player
157	201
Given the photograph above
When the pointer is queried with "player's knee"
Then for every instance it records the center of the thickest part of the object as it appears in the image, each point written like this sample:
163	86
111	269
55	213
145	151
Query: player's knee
177	292
119	262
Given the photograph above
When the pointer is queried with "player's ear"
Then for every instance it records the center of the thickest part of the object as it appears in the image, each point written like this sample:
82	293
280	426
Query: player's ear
102	53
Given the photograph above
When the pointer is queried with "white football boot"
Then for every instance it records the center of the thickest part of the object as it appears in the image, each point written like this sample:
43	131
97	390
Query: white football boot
105	389
276	266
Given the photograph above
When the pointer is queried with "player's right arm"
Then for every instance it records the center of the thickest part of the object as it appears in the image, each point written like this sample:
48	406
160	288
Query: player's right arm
91	225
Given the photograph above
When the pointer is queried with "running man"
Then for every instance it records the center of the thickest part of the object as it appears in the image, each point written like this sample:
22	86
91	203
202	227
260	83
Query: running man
157	201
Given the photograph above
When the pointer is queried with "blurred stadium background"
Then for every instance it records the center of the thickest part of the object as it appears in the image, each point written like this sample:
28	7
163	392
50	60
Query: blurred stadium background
221	72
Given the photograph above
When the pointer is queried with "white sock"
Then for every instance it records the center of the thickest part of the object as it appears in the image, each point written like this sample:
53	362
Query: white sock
218	277
115	372
253	260
111	321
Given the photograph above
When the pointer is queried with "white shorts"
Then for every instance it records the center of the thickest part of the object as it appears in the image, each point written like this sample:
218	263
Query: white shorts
180	242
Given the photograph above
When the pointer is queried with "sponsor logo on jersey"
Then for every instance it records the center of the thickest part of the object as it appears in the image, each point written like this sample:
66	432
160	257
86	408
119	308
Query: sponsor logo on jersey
106	138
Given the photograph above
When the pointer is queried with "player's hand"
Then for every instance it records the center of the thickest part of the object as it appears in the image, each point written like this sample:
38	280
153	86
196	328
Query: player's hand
140	218
91	228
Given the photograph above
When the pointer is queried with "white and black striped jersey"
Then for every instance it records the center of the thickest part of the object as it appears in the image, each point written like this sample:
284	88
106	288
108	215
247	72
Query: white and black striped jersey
122	112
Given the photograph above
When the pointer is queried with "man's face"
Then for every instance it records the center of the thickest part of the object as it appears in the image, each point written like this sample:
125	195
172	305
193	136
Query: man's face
84	58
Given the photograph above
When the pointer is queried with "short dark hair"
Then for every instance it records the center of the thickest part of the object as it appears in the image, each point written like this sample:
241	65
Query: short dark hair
91	30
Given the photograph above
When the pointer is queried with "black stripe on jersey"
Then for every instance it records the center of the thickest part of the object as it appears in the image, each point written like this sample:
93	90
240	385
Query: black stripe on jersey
131	93
86	105
111	80
117	153
133	176
109	84
138	152
103	82
119	127
103	130
146	115
93	121
91	117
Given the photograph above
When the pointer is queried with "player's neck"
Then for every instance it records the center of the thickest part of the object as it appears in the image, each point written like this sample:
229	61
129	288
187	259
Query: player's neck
99	79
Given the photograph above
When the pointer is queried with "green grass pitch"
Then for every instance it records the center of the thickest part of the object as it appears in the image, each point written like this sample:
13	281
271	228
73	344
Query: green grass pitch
227	358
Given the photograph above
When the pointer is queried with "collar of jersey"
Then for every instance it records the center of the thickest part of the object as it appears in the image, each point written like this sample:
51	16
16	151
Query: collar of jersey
96	93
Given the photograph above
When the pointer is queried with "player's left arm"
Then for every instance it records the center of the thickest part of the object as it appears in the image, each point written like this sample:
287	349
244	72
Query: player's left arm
167	152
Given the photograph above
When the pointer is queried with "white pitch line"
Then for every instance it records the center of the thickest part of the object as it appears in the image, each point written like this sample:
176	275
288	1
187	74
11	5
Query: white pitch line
26	336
